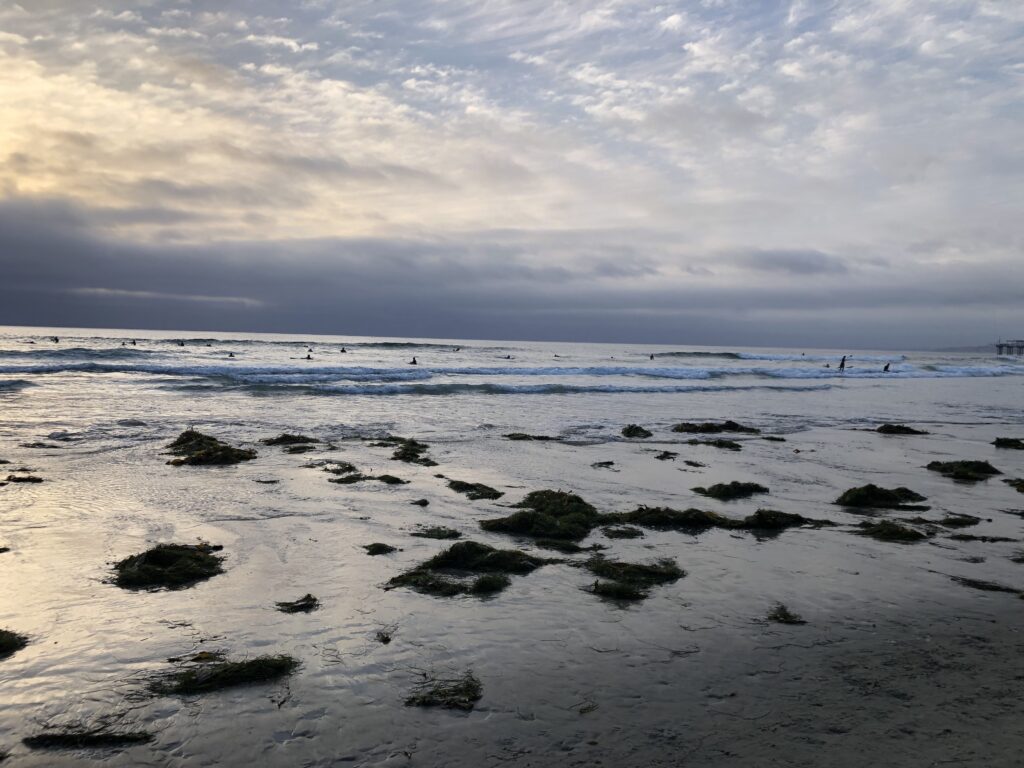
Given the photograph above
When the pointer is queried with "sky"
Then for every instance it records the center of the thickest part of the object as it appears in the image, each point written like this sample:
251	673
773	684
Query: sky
827	173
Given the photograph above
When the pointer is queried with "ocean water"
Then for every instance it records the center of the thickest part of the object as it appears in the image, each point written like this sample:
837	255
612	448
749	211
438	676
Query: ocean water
899	663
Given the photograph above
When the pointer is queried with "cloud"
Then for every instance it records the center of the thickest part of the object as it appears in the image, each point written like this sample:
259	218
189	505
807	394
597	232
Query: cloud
516	160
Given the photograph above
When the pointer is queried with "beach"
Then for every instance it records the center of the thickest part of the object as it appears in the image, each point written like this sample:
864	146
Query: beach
910	650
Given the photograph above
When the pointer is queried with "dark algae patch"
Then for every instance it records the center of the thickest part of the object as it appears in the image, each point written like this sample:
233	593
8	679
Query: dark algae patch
725	445
874	497
699	520
1014	443
24	479
436	532
475	491
358	477
461	692
523	436
379	549
86	738
730	491
224	674
899	429
172	566
635	431
11	643
195	448
622	532
630	581
774	439
420	503
467	568
286	438
714	428
886	530
666	456
548	515
304	604
1016	483
985	586
964	471
412	452
780	614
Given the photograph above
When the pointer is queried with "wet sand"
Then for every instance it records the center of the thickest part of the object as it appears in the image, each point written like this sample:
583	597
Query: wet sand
898	664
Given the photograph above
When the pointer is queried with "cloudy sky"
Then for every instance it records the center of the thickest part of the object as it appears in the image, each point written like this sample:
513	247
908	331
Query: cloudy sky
843	172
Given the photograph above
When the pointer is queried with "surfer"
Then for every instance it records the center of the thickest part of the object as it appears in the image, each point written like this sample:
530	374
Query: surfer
842	364
413	362
886	368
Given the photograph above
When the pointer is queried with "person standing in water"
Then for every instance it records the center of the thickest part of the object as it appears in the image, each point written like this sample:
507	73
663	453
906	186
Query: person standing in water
886	369
842	364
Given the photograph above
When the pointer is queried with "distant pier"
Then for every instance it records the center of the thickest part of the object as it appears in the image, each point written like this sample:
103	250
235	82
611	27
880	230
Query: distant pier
1015	347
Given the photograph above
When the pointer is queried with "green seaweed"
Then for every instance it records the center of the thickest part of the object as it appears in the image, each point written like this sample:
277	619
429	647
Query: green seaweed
886	530
412	452
195	448
616	590
622	532
699	520
566	547
694	464
899	429
780	614
985	539
1014	443
225	674
475	491
358	477
548	515
730	491
171	566
304	604
874	497
445	574
11	643
1016	483
379	549
635	431
714	428
461	692
959	521
523	436
964	471
603	464
286	438
436	532
489	584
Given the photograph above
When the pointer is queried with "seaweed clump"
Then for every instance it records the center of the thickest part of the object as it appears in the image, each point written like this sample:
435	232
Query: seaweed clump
358	477
304	604
630	581
225	674
986	586
633	431
377	548
24	479
698	520
780	614
407	450
461	692
1016	483
11	643
622	532
523	436
436	532
195	448
474	491
886	530
872	496
81	737
287	438
714	428
548	515
964	471
725	445
899	429
1014	443
467	568
172	566
730	491
666	456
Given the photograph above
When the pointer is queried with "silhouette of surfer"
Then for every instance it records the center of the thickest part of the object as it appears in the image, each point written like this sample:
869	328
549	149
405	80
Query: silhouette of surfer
413	362
231	354
343	350
886	369
842	364
308	357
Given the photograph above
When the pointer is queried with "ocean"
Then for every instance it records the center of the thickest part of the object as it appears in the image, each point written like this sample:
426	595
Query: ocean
907	657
